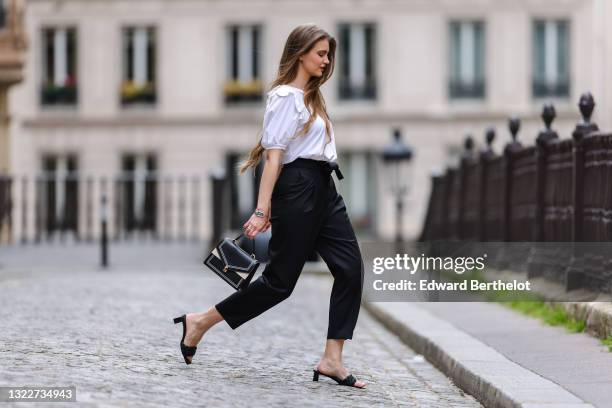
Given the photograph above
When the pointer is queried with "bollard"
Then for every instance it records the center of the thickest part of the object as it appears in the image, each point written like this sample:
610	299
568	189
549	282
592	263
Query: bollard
104	234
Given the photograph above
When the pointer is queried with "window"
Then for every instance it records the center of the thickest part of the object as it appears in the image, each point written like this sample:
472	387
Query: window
139	191
139	57
243	83
60	192
357	79
467	78
59	66
550	59
359	188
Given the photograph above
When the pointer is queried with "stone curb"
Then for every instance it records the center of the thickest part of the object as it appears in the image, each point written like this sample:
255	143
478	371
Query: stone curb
597	313
473	366
598	316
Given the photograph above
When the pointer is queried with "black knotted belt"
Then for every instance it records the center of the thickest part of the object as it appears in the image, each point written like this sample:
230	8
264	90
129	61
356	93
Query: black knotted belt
320	165
333	166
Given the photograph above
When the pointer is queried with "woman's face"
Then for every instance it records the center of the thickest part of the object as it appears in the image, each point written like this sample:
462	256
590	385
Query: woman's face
315	61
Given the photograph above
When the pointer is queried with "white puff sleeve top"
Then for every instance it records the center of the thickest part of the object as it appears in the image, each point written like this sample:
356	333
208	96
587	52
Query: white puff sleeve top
285	115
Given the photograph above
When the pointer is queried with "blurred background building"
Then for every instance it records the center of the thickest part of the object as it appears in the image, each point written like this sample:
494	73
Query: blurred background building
141	100
12	46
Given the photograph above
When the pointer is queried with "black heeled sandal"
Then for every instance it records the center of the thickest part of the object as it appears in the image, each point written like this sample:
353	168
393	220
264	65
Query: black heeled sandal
187	351
350	379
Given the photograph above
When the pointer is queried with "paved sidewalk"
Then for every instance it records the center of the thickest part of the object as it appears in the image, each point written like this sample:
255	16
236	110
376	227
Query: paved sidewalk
110	333
505	358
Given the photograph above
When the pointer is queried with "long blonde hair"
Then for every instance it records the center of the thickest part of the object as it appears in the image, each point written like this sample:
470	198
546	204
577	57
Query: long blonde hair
300	42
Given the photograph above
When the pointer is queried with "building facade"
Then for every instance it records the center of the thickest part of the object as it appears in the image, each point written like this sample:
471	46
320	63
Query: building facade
12	46
176	88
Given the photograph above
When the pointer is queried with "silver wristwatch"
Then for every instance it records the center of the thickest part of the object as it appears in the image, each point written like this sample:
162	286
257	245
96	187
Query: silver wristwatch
259	213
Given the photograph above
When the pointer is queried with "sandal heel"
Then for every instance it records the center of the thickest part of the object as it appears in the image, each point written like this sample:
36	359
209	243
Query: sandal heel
350	380
186	351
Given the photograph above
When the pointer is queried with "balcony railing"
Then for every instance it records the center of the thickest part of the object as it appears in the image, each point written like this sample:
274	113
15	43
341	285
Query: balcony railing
37	208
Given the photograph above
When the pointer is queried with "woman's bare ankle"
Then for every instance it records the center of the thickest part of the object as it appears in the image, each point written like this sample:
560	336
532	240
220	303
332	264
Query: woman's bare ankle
331	362
208	319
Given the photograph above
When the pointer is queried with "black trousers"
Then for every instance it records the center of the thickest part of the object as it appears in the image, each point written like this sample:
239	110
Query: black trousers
307	214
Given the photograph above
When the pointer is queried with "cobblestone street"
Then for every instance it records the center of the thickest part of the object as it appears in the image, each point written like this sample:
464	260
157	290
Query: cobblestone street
110	333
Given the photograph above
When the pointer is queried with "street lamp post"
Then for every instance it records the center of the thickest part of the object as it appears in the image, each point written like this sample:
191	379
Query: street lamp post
396	158
104	232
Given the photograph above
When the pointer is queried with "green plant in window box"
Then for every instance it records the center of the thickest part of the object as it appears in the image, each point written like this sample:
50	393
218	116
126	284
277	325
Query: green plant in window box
235	90
60	94
134	92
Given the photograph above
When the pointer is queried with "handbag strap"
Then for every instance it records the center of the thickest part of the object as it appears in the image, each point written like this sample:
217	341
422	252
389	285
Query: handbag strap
252	240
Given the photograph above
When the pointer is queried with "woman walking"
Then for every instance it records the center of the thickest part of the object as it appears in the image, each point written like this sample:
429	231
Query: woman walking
298	199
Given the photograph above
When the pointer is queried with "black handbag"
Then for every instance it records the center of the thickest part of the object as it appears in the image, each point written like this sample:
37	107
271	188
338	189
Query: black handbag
234	265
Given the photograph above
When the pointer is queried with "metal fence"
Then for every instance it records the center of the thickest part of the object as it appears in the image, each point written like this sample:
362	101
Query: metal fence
559	190
50	207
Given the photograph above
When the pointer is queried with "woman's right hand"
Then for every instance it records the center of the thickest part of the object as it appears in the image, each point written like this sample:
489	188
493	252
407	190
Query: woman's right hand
255	225
271	170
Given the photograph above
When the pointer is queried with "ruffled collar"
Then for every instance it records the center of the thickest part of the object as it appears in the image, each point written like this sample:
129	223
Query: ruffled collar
298	96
